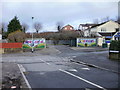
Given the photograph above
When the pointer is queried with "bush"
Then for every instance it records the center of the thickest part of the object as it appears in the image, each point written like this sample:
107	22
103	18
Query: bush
115	45
17	36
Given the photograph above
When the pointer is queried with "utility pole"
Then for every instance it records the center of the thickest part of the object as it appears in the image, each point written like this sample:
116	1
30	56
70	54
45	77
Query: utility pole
32	37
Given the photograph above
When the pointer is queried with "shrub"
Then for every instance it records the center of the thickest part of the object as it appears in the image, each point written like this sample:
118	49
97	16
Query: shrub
17	36
115	45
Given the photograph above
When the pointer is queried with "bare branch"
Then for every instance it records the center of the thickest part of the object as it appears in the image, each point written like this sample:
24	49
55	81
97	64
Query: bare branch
25	27
37	26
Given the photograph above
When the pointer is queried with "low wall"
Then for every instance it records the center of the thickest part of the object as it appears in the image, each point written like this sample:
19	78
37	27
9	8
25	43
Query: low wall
1	50
12	50
30	50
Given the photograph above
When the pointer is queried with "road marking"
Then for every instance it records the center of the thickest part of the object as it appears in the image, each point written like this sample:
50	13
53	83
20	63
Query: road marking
87	89
79	64
48	63
45	62
21	68
74	70
74	56
82	79
85	68
87	64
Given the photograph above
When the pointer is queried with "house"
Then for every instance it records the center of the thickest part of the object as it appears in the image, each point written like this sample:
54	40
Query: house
85	26
104	31
68	28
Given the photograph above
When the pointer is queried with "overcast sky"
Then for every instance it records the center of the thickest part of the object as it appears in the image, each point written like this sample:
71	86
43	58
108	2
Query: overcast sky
72	12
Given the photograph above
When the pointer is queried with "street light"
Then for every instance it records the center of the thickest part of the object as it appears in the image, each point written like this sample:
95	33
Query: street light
32	37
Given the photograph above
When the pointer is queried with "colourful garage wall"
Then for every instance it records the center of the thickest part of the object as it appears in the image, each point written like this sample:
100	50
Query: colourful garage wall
36	43
86	42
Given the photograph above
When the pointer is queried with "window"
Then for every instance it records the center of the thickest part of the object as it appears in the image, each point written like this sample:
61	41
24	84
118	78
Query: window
65	28
103	29
70	28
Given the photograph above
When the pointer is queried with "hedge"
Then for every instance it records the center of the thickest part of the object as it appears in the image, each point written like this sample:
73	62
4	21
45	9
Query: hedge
115	45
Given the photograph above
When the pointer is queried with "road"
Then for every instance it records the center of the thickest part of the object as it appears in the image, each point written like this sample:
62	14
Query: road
52	68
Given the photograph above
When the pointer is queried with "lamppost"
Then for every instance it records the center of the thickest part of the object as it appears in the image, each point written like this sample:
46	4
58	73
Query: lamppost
32	37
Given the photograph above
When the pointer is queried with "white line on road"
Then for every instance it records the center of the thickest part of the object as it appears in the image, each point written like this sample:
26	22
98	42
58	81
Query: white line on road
48	63
45	62
74	56
21	70
79	64
85	68
82	79
74	70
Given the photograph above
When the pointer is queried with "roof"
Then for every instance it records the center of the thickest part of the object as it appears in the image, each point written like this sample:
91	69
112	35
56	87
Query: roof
102	23
68	25
99	24
87	25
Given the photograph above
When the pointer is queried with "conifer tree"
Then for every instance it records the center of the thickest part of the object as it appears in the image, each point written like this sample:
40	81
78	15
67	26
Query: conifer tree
14	25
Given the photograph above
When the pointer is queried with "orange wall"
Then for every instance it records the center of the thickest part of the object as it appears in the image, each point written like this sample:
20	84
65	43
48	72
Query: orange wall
10	45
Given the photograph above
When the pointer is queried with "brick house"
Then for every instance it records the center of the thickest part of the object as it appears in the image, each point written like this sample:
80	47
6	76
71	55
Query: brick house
68	28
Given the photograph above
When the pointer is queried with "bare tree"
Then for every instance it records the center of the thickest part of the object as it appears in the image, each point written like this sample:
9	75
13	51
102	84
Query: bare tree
105	19
24	27
2	27
59	26
93	34
37	26
96	21
117	19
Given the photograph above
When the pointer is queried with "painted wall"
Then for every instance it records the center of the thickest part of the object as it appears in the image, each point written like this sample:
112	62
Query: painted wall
36	43
86	42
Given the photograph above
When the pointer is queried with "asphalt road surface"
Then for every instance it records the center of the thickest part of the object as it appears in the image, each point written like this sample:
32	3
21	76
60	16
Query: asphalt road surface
53	69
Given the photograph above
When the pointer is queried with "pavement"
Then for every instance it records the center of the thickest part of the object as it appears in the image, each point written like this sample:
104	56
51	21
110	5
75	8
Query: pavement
11	70
89	49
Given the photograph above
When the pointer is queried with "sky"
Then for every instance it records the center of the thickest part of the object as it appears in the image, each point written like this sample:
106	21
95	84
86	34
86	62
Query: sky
50	12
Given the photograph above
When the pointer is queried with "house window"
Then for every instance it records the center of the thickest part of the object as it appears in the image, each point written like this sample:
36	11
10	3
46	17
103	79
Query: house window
70	28
103	29
65	28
